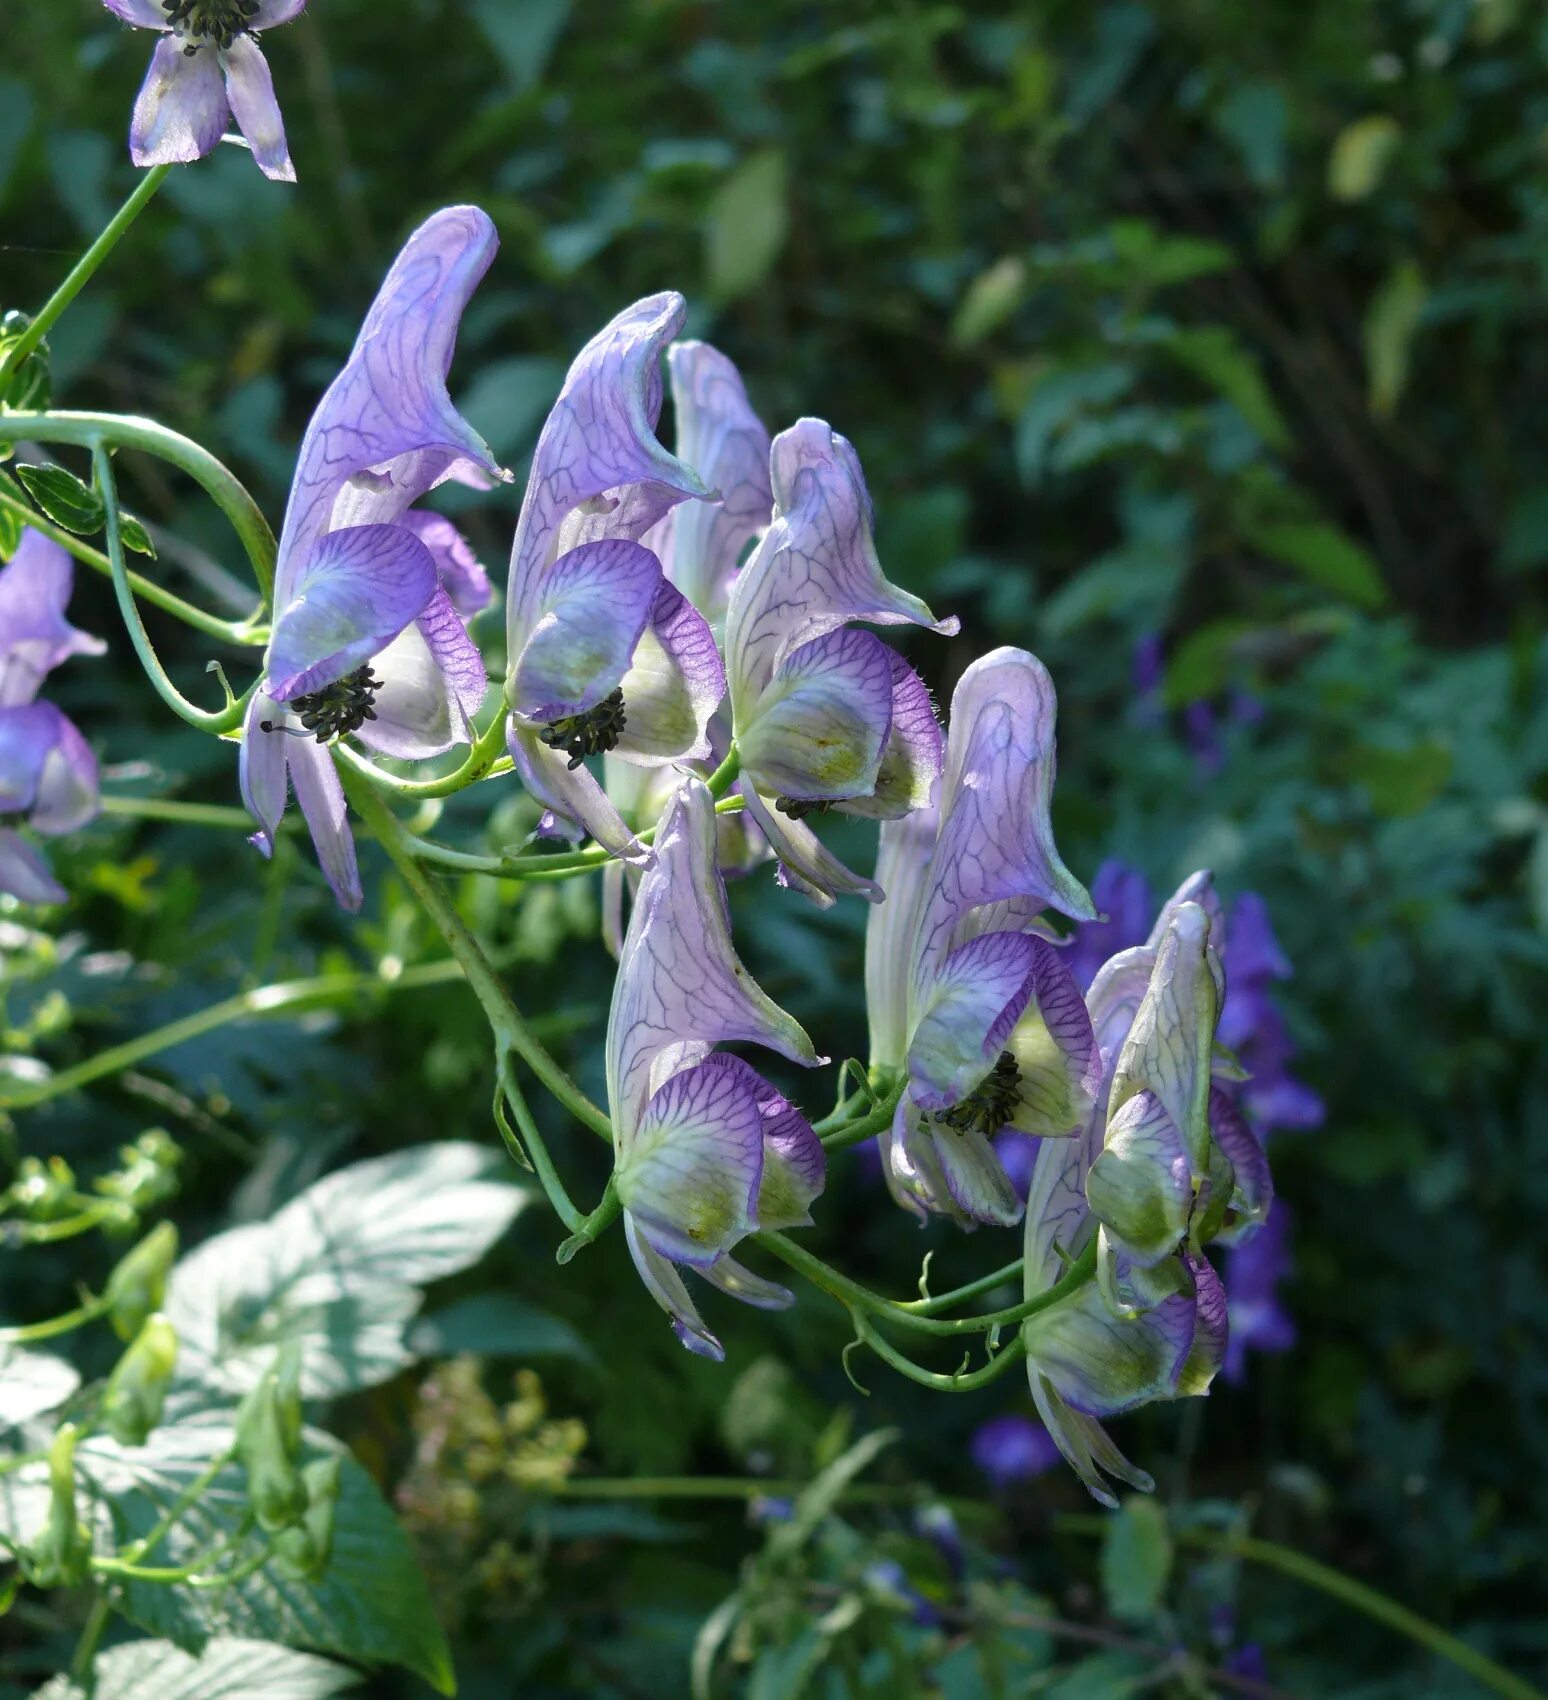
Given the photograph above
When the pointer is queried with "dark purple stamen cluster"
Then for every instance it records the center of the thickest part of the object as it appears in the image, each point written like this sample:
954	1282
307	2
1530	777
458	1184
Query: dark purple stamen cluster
590	733
990	1105
218	21
341	707
798	808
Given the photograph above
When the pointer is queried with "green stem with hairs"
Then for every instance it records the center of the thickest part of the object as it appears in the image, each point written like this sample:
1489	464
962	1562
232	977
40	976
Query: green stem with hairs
239	632
225	489
874	1121
81	273
177	813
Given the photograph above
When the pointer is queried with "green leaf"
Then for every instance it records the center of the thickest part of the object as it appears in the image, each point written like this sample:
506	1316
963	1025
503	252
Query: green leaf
1214	354
1136	1559
783	1673
32	1383
1361	155
818	1500
1401	780
371	1604
1324	555
745	226
134	536
496	1325
1061	397
991	298
1201	664
64	498
1390	323
226	1670
524	36
340	1269
508	400
1104	1676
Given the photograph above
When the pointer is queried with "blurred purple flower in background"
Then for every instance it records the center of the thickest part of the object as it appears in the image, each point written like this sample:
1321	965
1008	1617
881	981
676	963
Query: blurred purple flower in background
1253	1270
1013	1449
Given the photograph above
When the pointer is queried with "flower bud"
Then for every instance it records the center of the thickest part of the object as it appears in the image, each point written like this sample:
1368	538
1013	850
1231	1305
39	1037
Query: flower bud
137	1388
138	1284
304	1550
61	1555
268	1442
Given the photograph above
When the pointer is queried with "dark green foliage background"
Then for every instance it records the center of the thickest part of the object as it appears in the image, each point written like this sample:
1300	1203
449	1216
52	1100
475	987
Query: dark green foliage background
1216	321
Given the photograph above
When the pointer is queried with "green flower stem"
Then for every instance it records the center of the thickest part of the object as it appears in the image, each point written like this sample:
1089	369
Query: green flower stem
875	1121
85	1655
242	632
177	813
216	721
81	272
65	1228
479	763
962	1380
721	1487
285	997
605	1214
960	1295
189	1497
854	1297
230	495
29	1332
725	776
535	1147
1358	1596
511	1029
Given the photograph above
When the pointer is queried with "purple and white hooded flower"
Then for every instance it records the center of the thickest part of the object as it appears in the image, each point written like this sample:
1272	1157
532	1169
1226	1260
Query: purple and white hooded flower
48	774
966	1000
707	1151
367	639
824	715
207	69
605	653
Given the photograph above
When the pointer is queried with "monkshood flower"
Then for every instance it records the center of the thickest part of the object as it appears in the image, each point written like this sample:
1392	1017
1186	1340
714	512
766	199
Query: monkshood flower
707	1151
367	637
207	69
965	998
605	653
48	775
825	716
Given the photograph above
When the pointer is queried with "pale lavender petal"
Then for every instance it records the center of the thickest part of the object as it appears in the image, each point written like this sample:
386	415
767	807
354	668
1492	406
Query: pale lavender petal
358	589
261	767
143	14
689	1173
1101	1364
729	1275
819	729
805	863
250	89
723	440
795	1168
1199	888
665	1286
902	872
592	606
970	1011
272	13
680	981
432	682
462	575
1055	1049
35	636
599	442
1252	1193
1141	1187
911	759
674	684
386	430
181	111
1115	994
816	569
321	797
1085	1444
67	784
1059	1221
24	871
911	1164
577	802
974	1177
1211	1330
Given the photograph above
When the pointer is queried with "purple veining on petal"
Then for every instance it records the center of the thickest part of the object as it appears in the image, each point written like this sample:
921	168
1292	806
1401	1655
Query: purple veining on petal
462	575
250	90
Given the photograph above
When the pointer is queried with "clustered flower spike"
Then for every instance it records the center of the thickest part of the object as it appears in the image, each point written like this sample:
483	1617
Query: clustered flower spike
207	69
48	775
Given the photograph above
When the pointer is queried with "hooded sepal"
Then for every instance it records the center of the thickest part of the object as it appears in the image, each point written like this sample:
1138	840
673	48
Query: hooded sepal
1141	1186
1251	1193
35	636
1101	1364
1055	1050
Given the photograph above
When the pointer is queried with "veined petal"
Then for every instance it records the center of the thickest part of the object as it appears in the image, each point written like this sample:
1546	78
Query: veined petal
261	768
1141	1186
67	782
1086	1445
181	111
1101	1364
1199	888
911	1164
1115	995
432	683
321	797
689	1175
969	1012
592	607
143	14
1252	1191
996	839
727	1274
386	430
1055	1050
680	979
577	801
35	636
24	871
805	862
665	1286
902	871
674	684
975	1177
600	442
1168	1047
819	729
1059	1220
816	569
911	759
357	591
250	89
724	441
462	575
1211	1330
30	734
